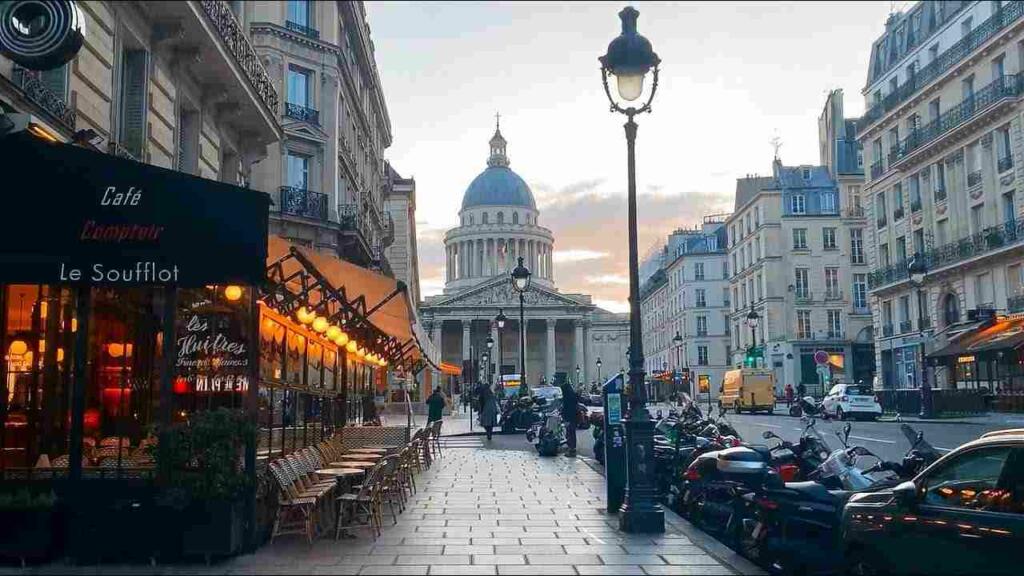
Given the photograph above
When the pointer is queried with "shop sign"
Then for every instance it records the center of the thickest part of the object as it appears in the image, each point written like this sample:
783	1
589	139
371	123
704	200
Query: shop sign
75	216
703	383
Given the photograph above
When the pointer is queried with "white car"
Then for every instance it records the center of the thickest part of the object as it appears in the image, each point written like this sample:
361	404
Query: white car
852	400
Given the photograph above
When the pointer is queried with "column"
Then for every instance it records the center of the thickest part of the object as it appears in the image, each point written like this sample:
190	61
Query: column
590	368
437	335
578	347
549	365
466	325
551	264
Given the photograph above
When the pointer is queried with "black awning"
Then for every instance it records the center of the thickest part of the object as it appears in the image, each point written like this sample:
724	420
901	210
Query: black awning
994	336
75	216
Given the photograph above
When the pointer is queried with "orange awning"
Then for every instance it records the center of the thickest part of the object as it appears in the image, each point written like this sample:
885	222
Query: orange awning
393	318
450	369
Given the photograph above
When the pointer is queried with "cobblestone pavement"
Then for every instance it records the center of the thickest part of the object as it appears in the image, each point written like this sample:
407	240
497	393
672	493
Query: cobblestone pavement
485	511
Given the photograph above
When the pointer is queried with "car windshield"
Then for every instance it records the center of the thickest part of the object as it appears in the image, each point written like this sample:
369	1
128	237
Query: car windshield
859	391
547	392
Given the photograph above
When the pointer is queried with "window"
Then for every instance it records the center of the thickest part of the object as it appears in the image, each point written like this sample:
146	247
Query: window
802	285
880	209
56	81
1014	280
883	254
133	102
712	243
901	249
702	325
856	246
760	286
757	249
515	217
977	218
897	202
974	480
299	87
999	67
965	26
983	290
951	309
835	323
700	297
915	193
942	232
828	236
501	217
940	182
918	242
1003	149
806	173
1009	212
828	203
188	140
698	271
298	12
933	51
702	355
803	324
860	291
799	239
887	318
967	88
934	110
904	314
297	170
832	283
485	218
797	204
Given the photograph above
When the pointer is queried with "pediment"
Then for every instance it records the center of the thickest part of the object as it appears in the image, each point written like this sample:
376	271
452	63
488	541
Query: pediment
499	292
299	129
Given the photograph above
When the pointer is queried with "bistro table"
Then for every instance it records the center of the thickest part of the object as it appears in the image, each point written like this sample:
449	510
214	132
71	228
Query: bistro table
363	457
344	477
352	464
379	451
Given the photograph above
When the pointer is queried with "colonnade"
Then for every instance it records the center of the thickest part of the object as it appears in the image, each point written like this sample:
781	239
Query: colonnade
483	258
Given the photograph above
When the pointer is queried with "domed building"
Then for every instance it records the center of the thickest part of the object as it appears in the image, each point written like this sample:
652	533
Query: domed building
498	223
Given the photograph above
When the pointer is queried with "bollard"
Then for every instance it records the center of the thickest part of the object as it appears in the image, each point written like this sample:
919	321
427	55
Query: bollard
614	442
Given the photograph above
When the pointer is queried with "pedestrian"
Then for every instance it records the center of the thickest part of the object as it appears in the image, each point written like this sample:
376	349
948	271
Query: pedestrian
570	401
370	417
488	410
435	405
789	395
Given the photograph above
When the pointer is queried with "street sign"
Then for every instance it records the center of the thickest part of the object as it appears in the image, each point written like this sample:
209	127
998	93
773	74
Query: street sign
703	383
821	358
614	408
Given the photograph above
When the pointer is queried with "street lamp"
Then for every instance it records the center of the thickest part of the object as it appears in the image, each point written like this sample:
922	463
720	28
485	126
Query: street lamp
521	283
487	368
500	321
577	375
629	58
752	321
918	269
599	371
677	343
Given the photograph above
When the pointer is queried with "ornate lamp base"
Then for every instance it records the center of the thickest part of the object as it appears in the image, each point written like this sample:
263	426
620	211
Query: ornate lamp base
641	513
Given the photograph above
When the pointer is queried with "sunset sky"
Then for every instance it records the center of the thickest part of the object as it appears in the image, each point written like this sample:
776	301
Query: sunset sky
733	75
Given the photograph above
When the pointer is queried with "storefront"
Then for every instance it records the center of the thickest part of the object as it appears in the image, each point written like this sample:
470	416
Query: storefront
986	360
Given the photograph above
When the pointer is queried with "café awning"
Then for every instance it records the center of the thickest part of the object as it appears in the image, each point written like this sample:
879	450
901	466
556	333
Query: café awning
1002	335
383	300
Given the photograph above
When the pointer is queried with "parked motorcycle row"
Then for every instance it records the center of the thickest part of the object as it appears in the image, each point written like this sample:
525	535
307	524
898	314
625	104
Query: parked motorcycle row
541	418
778	503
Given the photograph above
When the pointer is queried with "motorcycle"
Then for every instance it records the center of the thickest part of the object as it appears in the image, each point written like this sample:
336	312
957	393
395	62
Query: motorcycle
551	435
794	528
808	406
597	423
518	414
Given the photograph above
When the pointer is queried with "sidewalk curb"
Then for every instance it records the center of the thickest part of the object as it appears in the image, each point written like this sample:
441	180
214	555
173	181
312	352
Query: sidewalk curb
727	556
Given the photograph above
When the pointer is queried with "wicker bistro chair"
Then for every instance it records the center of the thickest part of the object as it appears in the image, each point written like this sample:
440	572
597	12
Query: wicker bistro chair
406	477
421	440
296	514
361	509
435	437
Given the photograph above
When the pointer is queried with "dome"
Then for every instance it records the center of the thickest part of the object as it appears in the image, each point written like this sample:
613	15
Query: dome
498	186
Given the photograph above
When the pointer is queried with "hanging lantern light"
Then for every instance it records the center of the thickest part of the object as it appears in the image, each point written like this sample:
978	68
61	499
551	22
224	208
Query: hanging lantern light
115	349
320	324
233	293
18	347
304	315
352	346
60	354
342	339
333	332
74	324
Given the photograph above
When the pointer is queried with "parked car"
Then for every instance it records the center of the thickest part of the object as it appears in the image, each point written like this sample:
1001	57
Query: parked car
852	400
964	514
750	389
595	399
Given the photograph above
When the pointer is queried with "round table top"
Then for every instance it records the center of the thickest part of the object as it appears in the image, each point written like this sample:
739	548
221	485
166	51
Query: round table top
362	457
353	464
341	471
368	450
382	447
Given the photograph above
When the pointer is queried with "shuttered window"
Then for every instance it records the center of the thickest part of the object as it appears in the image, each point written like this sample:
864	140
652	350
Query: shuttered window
132	113
188	141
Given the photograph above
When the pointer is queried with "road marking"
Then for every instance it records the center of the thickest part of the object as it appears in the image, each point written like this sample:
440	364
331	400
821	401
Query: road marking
767	425
866	439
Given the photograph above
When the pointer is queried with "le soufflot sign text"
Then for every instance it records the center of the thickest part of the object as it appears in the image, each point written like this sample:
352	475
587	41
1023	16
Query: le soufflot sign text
75	216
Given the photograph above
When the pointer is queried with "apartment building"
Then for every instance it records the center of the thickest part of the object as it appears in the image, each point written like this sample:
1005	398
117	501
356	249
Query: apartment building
943	129
791	255
328	178
402	254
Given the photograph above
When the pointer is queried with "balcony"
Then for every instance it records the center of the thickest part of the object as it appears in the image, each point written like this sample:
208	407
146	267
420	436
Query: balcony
804	297
305	203
955	54
924	323
702	333
894	154
984	242
700	304
887	330
974	178
998	90
857	258
897	214
301	113
861	309
302	29
1005	163
906	327
836	294
940	192
881	222
853	212
876	169
915	206
1015	303
34	89
835	335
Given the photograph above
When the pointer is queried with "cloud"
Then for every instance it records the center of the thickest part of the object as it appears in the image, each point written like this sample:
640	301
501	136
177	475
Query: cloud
618	306
561	256
613	279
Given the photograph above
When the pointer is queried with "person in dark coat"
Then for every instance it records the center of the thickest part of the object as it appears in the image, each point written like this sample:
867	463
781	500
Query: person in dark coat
489	410
370	417
570	401
435	405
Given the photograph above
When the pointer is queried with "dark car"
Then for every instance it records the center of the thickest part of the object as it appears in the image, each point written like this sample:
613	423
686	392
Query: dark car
964	514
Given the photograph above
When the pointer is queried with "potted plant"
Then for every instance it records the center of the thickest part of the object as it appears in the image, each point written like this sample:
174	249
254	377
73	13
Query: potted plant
204	480
27	524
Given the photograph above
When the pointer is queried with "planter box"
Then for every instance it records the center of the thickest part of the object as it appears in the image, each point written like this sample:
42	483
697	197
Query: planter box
27	534
212	529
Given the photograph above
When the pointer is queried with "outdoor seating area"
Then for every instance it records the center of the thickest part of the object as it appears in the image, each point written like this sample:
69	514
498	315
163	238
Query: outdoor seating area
329	488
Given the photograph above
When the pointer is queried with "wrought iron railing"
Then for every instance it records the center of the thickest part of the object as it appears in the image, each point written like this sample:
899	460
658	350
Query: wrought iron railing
835	294
1015	303
1005	163
352	220
974	178
1009	13
887	330
906	326
236	41
805	296
305	203
1005	87
120	151
299	112
876	169
915	205
985	241
853	212
881	222
897	214
36	91
302	29
940	192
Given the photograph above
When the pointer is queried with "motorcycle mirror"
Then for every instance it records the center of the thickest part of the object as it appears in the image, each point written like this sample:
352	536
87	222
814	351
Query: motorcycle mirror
919	438
846	432
767	434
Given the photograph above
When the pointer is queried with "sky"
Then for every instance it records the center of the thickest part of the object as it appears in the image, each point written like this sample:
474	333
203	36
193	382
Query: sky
733	76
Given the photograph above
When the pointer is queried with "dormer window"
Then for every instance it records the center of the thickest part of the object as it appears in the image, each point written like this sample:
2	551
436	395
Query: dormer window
484	218
501	217
515	217
806	173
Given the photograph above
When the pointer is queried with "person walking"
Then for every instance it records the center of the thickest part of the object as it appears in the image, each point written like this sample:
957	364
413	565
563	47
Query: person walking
435	405
570	401
488	410
789	395
801	390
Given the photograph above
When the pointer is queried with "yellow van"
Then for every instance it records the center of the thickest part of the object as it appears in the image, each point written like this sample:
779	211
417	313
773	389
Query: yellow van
751	389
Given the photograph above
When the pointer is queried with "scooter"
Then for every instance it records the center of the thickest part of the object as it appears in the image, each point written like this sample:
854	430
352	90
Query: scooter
551	435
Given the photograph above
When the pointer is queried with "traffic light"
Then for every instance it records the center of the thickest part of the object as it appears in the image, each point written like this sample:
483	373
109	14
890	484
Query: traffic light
751	359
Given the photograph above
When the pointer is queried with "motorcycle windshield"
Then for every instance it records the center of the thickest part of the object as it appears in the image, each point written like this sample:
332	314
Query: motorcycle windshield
923	447
814	437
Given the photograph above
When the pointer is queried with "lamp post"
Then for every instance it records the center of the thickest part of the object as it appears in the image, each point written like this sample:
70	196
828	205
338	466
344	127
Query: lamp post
577	375
599	383
487	368
752	321
521	283
918	269
677	343
629	58
500	321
